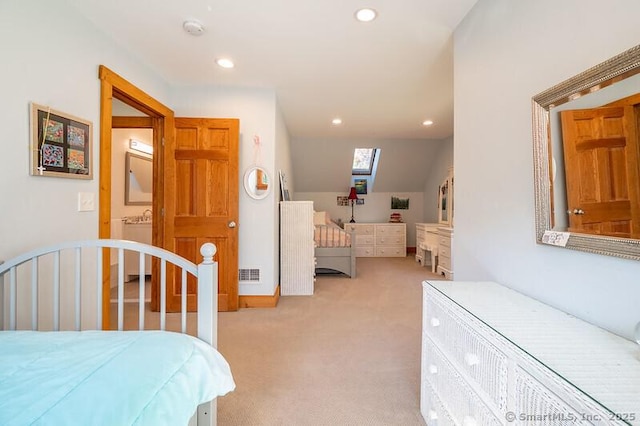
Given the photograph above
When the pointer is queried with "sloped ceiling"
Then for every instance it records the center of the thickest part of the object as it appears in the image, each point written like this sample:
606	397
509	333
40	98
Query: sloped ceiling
383	78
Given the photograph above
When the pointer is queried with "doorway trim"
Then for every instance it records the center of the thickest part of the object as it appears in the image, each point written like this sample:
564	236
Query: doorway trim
112	86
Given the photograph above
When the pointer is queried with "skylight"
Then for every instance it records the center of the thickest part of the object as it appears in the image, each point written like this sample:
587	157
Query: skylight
363	159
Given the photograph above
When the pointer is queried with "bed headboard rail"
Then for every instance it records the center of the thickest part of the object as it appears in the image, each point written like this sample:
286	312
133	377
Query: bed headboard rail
28	264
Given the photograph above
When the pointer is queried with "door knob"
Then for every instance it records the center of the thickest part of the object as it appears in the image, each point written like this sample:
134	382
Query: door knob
232	224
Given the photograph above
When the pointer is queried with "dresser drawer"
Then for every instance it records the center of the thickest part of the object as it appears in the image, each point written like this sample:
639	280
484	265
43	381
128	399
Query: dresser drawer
444	261
364	240
444	251
391	251
390	240
367	251
362	229
383	230
533	397
472	354
463	404
444	241
432	409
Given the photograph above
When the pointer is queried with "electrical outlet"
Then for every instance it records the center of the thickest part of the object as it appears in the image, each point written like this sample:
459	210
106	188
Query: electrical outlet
86	201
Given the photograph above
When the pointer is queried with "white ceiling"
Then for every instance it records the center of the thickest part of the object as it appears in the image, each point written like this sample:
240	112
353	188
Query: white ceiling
382	78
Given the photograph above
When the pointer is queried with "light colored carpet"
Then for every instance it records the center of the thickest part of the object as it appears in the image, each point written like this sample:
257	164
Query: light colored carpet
348	355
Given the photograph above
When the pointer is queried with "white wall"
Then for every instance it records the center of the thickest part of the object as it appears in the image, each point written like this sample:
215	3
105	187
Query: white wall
50	56
54	63
282	162
505	52
438	172
376	208
323	165
256	110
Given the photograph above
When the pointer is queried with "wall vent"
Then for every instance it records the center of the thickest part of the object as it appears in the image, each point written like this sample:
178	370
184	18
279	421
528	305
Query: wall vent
252	275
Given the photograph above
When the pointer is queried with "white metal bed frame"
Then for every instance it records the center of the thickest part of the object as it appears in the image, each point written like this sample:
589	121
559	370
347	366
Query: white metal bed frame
206	274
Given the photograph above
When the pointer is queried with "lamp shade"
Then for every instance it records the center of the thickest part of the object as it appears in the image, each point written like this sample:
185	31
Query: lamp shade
352	194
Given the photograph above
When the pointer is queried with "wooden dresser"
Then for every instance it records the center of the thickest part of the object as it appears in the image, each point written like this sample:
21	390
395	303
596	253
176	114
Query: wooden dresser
493	356
379	239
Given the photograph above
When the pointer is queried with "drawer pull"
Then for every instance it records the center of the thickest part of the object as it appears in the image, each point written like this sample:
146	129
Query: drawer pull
435	322
433	415
469	421
471	359
433	369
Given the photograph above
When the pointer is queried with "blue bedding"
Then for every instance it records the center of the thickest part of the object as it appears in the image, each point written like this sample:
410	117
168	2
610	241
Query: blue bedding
107	378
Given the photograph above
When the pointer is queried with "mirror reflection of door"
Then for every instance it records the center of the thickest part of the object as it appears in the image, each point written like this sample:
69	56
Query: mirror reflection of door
601	163
138	180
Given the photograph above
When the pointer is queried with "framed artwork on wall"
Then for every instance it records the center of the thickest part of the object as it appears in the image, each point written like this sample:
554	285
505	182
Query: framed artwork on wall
398	203
61	144
361	186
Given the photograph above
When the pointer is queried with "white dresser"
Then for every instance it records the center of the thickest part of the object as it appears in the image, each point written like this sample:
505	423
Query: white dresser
427	244
297	258
379	239
492	356
445	261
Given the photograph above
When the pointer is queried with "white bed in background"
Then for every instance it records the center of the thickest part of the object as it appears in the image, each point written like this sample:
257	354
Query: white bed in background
334	249
83	376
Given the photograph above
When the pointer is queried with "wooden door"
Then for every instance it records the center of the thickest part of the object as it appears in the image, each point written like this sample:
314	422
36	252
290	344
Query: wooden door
601	163
201	203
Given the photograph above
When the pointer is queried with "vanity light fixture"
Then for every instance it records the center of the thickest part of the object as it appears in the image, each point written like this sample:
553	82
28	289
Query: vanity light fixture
225	63
427	123
140	146
366	15
336	121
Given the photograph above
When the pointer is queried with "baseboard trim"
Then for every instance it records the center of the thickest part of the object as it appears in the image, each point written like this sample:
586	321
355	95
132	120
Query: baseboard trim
260	301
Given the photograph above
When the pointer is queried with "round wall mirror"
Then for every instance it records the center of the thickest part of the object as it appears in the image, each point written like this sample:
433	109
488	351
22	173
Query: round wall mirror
256	183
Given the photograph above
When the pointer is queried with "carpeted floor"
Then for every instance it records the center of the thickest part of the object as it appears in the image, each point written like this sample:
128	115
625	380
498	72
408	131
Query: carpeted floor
348	355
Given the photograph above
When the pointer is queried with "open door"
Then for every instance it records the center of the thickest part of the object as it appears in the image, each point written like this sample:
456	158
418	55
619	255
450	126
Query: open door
195	185
601	163
201	193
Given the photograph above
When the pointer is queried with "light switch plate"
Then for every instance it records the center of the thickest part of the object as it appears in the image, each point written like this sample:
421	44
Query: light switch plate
86	201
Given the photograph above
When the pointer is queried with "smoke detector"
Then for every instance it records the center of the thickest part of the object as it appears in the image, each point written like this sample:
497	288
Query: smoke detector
194	28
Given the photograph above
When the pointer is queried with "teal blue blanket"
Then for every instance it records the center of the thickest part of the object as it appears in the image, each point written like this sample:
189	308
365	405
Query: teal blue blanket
107	378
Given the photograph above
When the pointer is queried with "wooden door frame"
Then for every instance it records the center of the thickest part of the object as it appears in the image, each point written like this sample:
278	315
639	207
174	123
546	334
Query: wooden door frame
114	86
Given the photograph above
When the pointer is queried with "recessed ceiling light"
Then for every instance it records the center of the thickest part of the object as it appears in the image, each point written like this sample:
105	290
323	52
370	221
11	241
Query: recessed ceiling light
336	121
194	28
366	15
225	63
427	123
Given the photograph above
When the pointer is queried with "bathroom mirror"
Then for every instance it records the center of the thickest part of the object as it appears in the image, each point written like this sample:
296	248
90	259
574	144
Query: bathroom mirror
256	183
138	189
612	83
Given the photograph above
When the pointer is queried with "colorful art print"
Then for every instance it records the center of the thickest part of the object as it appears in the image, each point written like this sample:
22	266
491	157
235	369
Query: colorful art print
52	155
342	200
361	186
75	159
54	130
60	144
76	136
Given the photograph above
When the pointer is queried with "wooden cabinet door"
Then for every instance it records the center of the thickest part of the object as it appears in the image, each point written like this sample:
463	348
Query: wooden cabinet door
601	163
201	203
